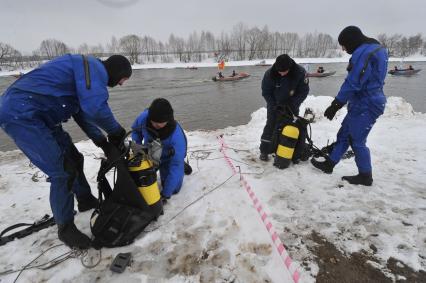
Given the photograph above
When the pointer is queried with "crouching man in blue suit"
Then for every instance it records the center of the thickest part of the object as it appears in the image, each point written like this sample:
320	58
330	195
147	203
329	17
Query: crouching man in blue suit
32	111
158	123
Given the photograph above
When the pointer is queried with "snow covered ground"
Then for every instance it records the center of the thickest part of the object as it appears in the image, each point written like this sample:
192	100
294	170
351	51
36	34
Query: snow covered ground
220	237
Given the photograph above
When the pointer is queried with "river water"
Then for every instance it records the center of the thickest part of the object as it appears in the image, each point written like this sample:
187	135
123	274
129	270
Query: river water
200	103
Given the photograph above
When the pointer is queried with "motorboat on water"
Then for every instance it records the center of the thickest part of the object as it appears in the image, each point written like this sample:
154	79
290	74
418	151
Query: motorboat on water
238	76
404	72
320	75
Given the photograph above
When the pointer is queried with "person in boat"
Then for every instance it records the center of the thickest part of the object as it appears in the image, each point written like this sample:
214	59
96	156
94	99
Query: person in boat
284	85
220	75
362	90
410	68
32	111
320	70
158	123
233	73
395	68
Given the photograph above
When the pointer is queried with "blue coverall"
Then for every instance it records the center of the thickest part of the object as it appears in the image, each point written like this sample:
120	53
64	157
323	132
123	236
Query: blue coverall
32	110
172	157
363	91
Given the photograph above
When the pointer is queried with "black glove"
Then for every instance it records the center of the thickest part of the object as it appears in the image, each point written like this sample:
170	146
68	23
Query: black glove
102	143
117	137
330	112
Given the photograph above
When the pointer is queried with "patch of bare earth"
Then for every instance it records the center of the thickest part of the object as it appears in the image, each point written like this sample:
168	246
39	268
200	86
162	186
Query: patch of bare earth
334	266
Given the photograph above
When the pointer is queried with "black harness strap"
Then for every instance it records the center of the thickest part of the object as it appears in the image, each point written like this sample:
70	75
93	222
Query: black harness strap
364	68
43	223
86	72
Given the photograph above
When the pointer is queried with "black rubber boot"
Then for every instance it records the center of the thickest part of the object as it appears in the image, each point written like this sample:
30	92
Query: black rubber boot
264	157
87	203
187	169
325	166
365	179
72	237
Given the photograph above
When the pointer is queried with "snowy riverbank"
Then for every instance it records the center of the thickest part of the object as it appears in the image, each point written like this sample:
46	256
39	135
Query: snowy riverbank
221	238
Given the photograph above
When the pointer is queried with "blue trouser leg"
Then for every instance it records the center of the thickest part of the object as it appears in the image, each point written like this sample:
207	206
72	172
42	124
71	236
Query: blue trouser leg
354	132
73	163
165	175
342	142
45	150
359	133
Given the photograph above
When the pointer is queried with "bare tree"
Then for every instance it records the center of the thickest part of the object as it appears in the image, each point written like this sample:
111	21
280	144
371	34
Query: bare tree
289	43
402	47
97	50
203	46
253	39
131	46
149	47
238	37
177	45
325	43
224	45
210	41
193	46
264	45
113	46
9	56
83	49
275	44
392	44
383	39
51	48
389	42
164	52
415	43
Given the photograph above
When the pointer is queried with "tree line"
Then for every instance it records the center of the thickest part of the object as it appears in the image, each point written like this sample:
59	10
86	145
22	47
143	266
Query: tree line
241	43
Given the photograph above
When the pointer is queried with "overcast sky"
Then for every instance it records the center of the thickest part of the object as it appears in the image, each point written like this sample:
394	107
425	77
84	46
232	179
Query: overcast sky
25	23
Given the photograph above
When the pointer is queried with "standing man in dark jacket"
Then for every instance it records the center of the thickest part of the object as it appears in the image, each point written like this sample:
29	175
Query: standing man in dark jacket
284	86
362	90
32	111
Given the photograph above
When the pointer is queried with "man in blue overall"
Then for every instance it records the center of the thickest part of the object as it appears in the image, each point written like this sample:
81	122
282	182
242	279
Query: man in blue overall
284	86
362	90
32	111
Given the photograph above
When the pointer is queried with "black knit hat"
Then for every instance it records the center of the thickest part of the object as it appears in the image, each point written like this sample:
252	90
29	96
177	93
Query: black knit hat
351	38
160	111
283	63
118	67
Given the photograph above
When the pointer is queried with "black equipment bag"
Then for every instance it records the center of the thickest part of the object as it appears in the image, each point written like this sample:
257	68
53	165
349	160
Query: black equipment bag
123	213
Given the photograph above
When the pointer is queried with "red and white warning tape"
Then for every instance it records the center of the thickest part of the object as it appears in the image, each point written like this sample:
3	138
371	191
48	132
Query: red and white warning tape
288	262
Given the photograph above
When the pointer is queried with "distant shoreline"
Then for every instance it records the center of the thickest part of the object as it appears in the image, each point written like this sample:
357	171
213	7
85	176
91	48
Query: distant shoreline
213	64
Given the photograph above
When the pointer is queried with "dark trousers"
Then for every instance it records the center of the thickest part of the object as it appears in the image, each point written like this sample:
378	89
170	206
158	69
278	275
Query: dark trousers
268	131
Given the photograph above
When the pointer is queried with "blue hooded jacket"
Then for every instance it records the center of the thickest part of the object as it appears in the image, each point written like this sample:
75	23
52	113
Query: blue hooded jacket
363	85
57	90
171	165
